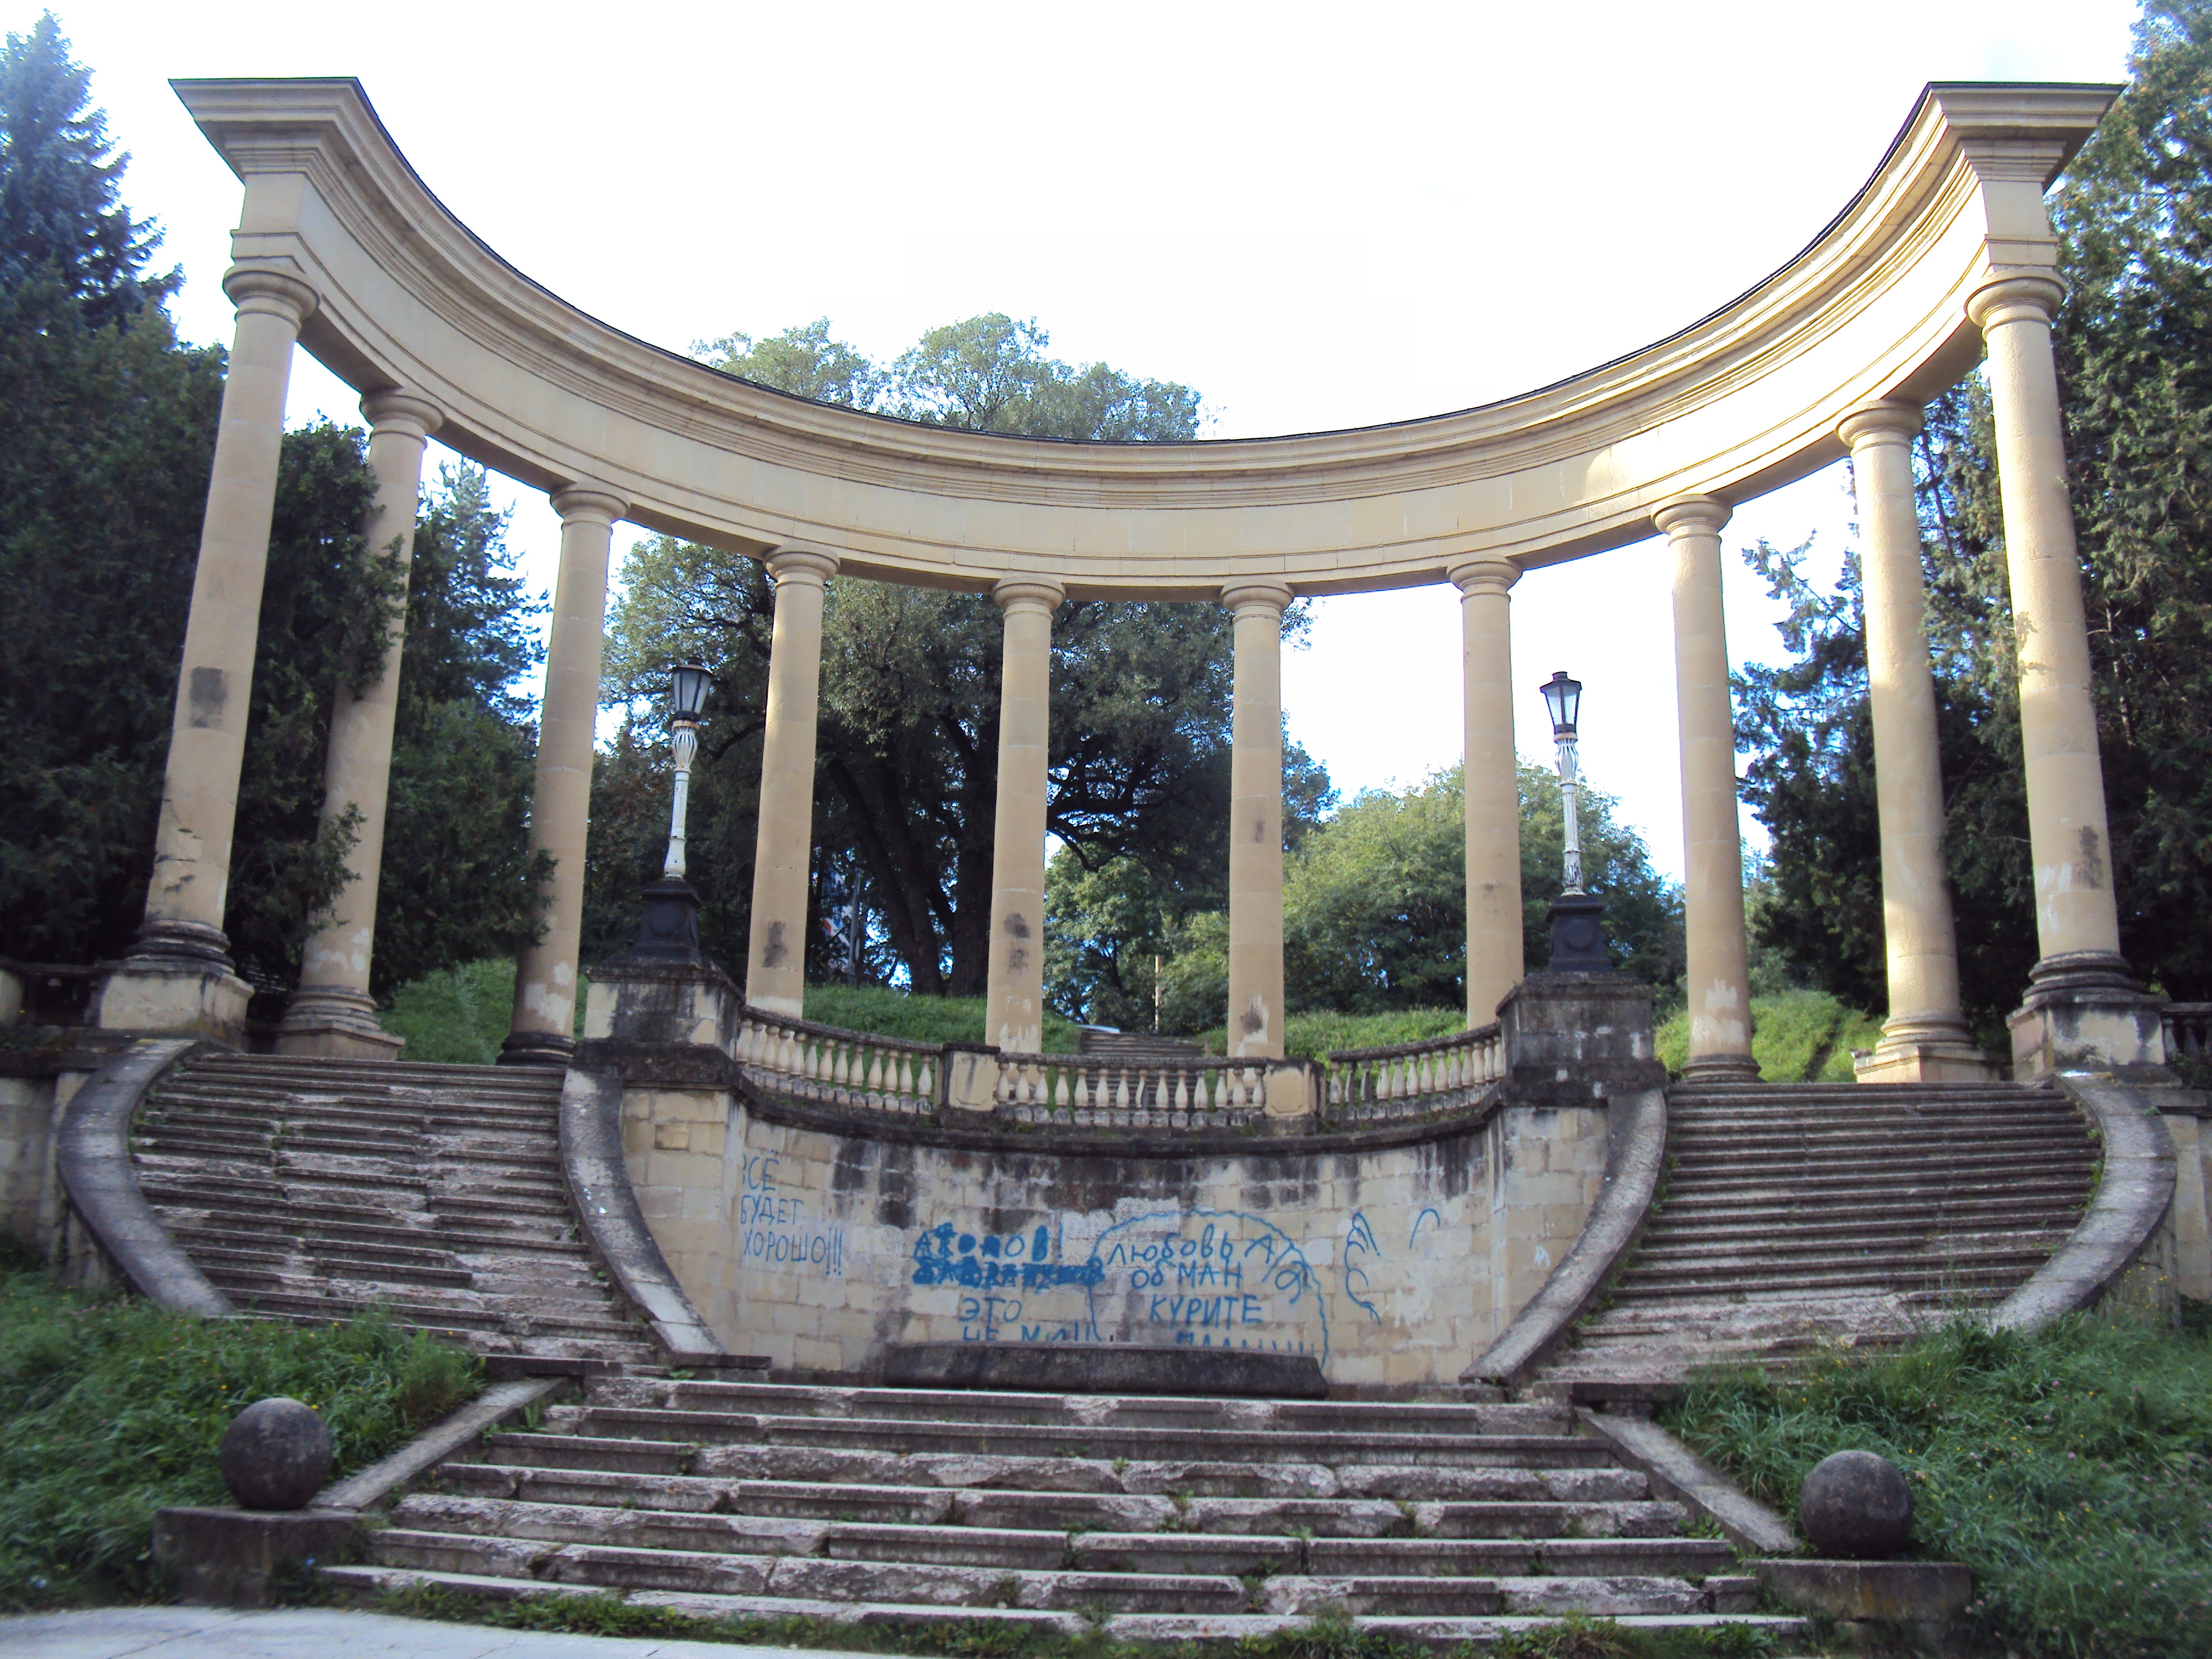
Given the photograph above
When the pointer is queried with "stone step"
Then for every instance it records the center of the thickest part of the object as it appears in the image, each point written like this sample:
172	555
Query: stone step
1609	1597
1873	1279
979	1406
1670	1231
803	1578
1102	1441
1782	1206
1783	1257
1922	1184
267	1271
1874	1151
1010	1628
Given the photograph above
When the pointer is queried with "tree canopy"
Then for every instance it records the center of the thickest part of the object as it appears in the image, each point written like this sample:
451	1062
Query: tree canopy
2134	346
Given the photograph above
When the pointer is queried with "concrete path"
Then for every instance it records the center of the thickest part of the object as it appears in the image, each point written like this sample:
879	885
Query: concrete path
319	1633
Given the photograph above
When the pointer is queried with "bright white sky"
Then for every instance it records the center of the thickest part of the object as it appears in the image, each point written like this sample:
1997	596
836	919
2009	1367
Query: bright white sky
1318	215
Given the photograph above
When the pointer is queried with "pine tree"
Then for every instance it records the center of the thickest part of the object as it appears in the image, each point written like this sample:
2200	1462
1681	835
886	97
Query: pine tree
61	205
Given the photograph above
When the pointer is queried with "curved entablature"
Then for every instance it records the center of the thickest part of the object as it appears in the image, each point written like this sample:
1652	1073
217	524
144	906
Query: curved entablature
1739	404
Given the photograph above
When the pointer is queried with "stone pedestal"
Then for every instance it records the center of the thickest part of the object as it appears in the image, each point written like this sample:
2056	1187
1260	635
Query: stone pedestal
1579	1037
970	1082
335	1022
226	1558
186	991
2085	1011
1907	1054
639	999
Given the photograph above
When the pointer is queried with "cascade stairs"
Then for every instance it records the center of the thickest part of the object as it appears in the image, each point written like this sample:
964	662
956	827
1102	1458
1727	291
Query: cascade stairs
1135	1046
308	1189
1796	1217
1165	1518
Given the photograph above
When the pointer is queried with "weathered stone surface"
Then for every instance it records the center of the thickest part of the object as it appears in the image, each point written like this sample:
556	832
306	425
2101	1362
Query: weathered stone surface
1900	1592
1024	1473
1416	1482
1112	1368
1856	1505
225	1558
1606	1596
1447	1597
972	1547
1231	1480
1184	1553
275	1455
1324	1517
1064	1511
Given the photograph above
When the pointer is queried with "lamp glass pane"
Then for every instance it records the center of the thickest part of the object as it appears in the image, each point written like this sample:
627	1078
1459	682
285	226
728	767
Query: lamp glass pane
688	684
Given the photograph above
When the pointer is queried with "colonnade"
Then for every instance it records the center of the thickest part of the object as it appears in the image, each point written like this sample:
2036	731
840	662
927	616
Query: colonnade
178	973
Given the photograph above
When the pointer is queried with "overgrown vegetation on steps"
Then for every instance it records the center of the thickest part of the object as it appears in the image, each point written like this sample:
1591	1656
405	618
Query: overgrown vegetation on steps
1329	1636
114	1408
1796	1036
2071	1470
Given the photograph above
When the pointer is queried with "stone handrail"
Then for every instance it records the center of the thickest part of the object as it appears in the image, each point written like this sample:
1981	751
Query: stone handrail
2188	1031
838	1067
1409	1079
1163	1091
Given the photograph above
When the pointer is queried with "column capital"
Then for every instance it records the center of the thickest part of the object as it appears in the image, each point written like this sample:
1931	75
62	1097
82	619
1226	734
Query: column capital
1492	572
589	501
1884	418
273	293
812	566
400	409
2010	297
1690	513
1271	597
1014	593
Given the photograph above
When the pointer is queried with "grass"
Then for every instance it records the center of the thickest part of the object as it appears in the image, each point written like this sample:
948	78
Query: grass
114	1408
887	1013
1310	1036
458	1015
2071	1470
1796	1036
1328	1637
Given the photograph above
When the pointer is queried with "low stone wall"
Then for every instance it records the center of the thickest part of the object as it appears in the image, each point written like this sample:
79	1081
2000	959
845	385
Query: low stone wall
1394	1255
40	1072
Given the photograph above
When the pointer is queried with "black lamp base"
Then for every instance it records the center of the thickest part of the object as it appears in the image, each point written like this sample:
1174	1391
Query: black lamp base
1578	935
668	929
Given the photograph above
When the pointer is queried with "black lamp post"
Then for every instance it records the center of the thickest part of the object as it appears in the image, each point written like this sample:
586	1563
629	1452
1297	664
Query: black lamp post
1577	920
668	931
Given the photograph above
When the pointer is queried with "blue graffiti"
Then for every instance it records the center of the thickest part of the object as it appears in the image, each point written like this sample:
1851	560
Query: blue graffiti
1359	1240
945	1255
1218	1263
1426	1215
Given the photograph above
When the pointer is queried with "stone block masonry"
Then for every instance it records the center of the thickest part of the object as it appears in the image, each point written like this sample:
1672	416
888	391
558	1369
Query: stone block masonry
1391	1256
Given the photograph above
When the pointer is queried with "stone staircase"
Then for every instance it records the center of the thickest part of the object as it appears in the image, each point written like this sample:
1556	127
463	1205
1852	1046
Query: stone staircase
1160	1518
1136	1046
1793	1217
308	1189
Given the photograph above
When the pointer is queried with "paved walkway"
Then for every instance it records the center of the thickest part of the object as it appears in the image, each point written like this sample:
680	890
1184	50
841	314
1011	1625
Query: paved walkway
318	1633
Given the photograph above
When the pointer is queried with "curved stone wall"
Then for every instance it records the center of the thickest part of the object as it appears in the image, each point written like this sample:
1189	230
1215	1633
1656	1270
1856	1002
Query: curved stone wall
1735	405
1393	1254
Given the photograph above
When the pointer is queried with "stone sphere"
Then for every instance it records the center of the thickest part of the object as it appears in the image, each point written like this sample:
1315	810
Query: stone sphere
1856	1506
275	1455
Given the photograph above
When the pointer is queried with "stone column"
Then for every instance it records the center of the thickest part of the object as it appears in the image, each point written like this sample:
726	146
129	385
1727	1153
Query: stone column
1494	964
1924	1040
543	1033
1712	845
177	975
1255	822
1013	998
783	850
2082	1004
332	1014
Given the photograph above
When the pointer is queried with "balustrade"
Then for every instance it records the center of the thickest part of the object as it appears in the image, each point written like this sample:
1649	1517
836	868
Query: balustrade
2188	1031
1117	1092
1414	1079
822	1063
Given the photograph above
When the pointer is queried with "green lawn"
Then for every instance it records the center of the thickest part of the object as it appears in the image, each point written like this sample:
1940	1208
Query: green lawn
1796	1036
2071	1470
888	1012
114	1408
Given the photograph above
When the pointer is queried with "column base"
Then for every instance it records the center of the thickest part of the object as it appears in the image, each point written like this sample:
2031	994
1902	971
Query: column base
177	979
1720	1068
1927	1050
331	1022
537	1048
2084	1011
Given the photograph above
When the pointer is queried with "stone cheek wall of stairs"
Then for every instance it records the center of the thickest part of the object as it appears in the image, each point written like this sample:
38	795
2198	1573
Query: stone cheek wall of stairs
1166	1517
306	1189
1843	1214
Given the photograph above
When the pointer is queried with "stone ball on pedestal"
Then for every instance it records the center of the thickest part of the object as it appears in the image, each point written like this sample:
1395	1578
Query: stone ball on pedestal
275	1455
1856	1506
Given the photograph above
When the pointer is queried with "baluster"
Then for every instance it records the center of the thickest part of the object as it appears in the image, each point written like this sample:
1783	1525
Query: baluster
925	1080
